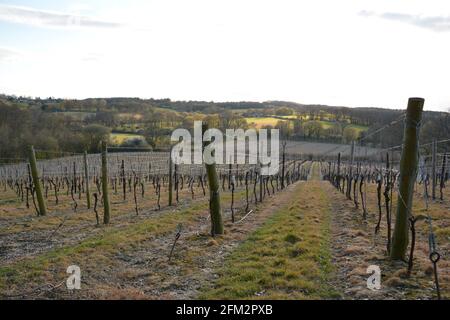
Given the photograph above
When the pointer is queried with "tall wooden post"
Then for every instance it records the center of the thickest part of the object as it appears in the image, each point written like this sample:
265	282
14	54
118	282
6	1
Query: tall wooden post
170	179
434	164
338	177
283	165
74	180
408	173
86	179
260	184
350	173
442	180
388	201
230	167
106	207
124	180
36	182
214	194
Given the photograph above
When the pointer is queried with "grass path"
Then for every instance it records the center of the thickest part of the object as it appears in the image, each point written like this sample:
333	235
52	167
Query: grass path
287	258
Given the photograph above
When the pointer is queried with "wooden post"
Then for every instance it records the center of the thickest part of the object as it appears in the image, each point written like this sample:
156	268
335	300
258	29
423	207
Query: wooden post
283	165
408	173
214	194
230	167
260	184
106	207
86	179
350	173
74	180
338	177
36	182
124	180
170	179
388	201
434	164
442	180
175	177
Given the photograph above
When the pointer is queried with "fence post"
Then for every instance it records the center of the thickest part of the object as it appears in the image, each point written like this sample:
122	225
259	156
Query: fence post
106	207
408	173
86	179
338	177
442	180
434	163
124	180
283	165
350	174
37	184
170	178
214	194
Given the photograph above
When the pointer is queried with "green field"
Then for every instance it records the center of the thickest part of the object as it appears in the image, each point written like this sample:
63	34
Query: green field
288	117
358	127
258	123
327	124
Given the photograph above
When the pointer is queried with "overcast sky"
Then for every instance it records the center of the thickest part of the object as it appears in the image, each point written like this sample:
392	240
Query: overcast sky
355	53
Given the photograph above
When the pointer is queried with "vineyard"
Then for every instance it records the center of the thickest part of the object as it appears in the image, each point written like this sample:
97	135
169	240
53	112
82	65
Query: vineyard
141	227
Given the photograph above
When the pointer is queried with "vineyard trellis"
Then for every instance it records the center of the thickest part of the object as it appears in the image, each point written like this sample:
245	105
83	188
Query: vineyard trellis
432	168
84	178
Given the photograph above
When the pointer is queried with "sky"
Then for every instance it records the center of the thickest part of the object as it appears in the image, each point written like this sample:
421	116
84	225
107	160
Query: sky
355	53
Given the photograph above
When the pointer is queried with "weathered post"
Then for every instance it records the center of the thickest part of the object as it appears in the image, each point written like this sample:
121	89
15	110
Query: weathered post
260	184
37	184
388	200
408	172
230	167
124	180
338	177
74	180
283	165
86	179
442	179
434	164
106	207
350	175
214	195
170	178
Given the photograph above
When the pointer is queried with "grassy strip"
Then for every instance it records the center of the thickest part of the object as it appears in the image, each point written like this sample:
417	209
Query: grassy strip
287	258
99	250
92	252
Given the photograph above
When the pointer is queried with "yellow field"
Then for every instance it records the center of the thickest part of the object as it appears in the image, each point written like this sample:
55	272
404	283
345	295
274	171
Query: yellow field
119	138
289	117
258	123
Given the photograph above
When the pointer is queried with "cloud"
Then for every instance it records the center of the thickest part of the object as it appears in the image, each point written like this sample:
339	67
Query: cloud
434	23
92	57
35	17
8	54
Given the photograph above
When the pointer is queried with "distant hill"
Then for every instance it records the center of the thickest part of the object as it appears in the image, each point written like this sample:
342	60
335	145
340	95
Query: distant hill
157	117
